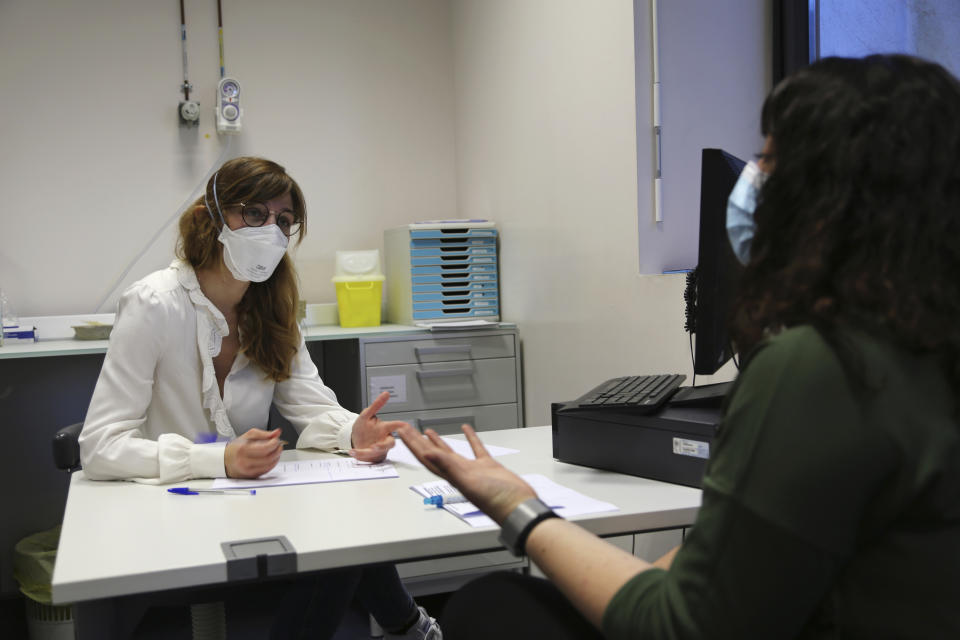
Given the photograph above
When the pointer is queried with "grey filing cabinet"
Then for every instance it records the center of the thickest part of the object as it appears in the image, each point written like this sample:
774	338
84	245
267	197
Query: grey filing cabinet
443	379
438	380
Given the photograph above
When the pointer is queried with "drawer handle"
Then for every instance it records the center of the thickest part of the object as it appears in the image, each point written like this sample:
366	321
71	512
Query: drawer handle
443	373
430	422
448	348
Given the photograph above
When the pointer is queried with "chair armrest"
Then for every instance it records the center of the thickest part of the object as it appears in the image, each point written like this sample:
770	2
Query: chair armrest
66	447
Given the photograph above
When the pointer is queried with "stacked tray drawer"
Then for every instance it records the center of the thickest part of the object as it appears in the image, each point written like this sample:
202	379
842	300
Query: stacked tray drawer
453	273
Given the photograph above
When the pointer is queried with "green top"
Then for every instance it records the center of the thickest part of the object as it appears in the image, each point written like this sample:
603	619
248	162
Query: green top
830	509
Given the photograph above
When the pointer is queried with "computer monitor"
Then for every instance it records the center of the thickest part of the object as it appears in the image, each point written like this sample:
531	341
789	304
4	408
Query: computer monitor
718	270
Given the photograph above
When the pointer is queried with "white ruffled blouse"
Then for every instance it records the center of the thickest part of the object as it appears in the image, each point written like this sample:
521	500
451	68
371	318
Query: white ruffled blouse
157	395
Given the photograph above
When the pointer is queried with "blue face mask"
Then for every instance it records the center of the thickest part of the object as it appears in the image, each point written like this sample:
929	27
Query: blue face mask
740	208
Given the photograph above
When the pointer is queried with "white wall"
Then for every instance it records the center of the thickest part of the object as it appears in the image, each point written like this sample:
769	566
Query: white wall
355	98
386	111
547	147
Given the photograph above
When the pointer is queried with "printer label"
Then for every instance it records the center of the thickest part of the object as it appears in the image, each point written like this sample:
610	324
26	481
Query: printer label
694	448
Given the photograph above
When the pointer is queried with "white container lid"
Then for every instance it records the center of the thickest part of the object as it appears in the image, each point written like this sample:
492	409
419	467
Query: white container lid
453	223
357	265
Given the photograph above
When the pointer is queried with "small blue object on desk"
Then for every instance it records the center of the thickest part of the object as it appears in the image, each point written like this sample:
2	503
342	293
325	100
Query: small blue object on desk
187	491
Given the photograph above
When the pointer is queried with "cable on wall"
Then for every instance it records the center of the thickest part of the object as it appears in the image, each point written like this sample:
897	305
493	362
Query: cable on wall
219	35
183	45
188	110
228	110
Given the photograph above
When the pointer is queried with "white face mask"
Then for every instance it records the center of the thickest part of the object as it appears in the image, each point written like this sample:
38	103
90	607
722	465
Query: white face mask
250	253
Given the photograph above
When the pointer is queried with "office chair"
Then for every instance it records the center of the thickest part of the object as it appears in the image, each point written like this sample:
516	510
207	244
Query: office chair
208	620
66	447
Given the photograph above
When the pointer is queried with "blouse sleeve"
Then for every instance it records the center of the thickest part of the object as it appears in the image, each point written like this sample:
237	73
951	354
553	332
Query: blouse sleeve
112	445
312	407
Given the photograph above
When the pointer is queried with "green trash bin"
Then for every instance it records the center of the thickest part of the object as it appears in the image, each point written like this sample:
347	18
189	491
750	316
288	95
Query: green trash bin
33	560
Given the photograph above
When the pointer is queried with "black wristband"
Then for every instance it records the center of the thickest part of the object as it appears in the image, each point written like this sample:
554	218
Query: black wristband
521	521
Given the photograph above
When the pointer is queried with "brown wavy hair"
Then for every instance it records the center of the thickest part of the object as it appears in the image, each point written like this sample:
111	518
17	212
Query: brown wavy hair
267	313
858	224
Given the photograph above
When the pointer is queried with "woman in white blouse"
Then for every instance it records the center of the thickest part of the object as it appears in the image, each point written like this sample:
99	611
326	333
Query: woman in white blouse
199	352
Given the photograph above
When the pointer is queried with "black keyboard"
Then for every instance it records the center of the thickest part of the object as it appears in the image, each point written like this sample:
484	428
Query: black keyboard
634	394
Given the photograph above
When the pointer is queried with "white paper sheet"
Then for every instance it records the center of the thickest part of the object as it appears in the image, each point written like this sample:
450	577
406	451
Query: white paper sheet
460	324
565	501
312	471
401	453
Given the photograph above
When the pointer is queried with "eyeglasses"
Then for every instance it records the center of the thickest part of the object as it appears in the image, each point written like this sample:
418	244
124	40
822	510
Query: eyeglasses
255	214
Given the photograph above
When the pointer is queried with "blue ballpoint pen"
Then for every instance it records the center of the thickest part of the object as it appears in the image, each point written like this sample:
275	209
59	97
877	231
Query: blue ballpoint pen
187	491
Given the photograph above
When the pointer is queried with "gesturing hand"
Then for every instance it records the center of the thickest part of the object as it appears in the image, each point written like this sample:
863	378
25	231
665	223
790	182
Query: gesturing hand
252	454
484	481
371	437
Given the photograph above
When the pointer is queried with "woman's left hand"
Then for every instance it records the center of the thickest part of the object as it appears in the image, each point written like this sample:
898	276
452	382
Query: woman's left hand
371	437
485	482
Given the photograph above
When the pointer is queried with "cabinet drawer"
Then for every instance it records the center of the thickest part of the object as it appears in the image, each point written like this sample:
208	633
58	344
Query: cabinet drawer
489	561
439	349
443	385
447	421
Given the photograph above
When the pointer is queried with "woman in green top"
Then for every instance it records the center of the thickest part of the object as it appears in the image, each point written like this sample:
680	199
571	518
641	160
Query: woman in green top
831	504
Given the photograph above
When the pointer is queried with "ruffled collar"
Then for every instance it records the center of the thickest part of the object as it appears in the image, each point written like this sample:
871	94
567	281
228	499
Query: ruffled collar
211	329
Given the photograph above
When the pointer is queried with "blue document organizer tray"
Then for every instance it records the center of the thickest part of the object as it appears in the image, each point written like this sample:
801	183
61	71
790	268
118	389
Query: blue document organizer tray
440	271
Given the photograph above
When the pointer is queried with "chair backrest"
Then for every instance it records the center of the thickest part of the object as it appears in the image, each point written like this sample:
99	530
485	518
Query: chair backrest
66	447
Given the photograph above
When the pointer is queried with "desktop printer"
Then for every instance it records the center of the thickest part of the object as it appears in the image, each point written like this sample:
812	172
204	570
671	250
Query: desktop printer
672	444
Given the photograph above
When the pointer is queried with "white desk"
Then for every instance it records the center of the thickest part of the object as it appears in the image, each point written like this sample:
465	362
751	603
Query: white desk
47	385
123	538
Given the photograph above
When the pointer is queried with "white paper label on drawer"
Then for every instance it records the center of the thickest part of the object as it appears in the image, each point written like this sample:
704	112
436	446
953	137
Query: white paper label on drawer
396	385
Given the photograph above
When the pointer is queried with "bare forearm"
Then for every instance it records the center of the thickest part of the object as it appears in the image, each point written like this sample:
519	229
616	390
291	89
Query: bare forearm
586	569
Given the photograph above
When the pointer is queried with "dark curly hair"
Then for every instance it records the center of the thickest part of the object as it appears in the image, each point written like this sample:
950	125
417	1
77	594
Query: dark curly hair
858	225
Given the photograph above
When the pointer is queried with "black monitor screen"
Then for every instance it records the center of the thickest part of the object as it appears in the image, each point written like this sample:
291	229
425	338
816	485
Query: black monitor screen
718	269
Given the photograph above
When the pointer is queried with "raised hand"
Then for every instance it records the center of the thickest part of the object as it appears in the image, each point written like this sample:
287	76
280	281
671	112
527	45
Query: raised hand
484	481
253	454
371	438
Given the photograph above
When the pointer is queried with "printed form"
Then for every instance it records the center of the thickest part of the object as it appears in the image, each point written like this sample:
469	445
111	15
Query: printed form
564	500
311	471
